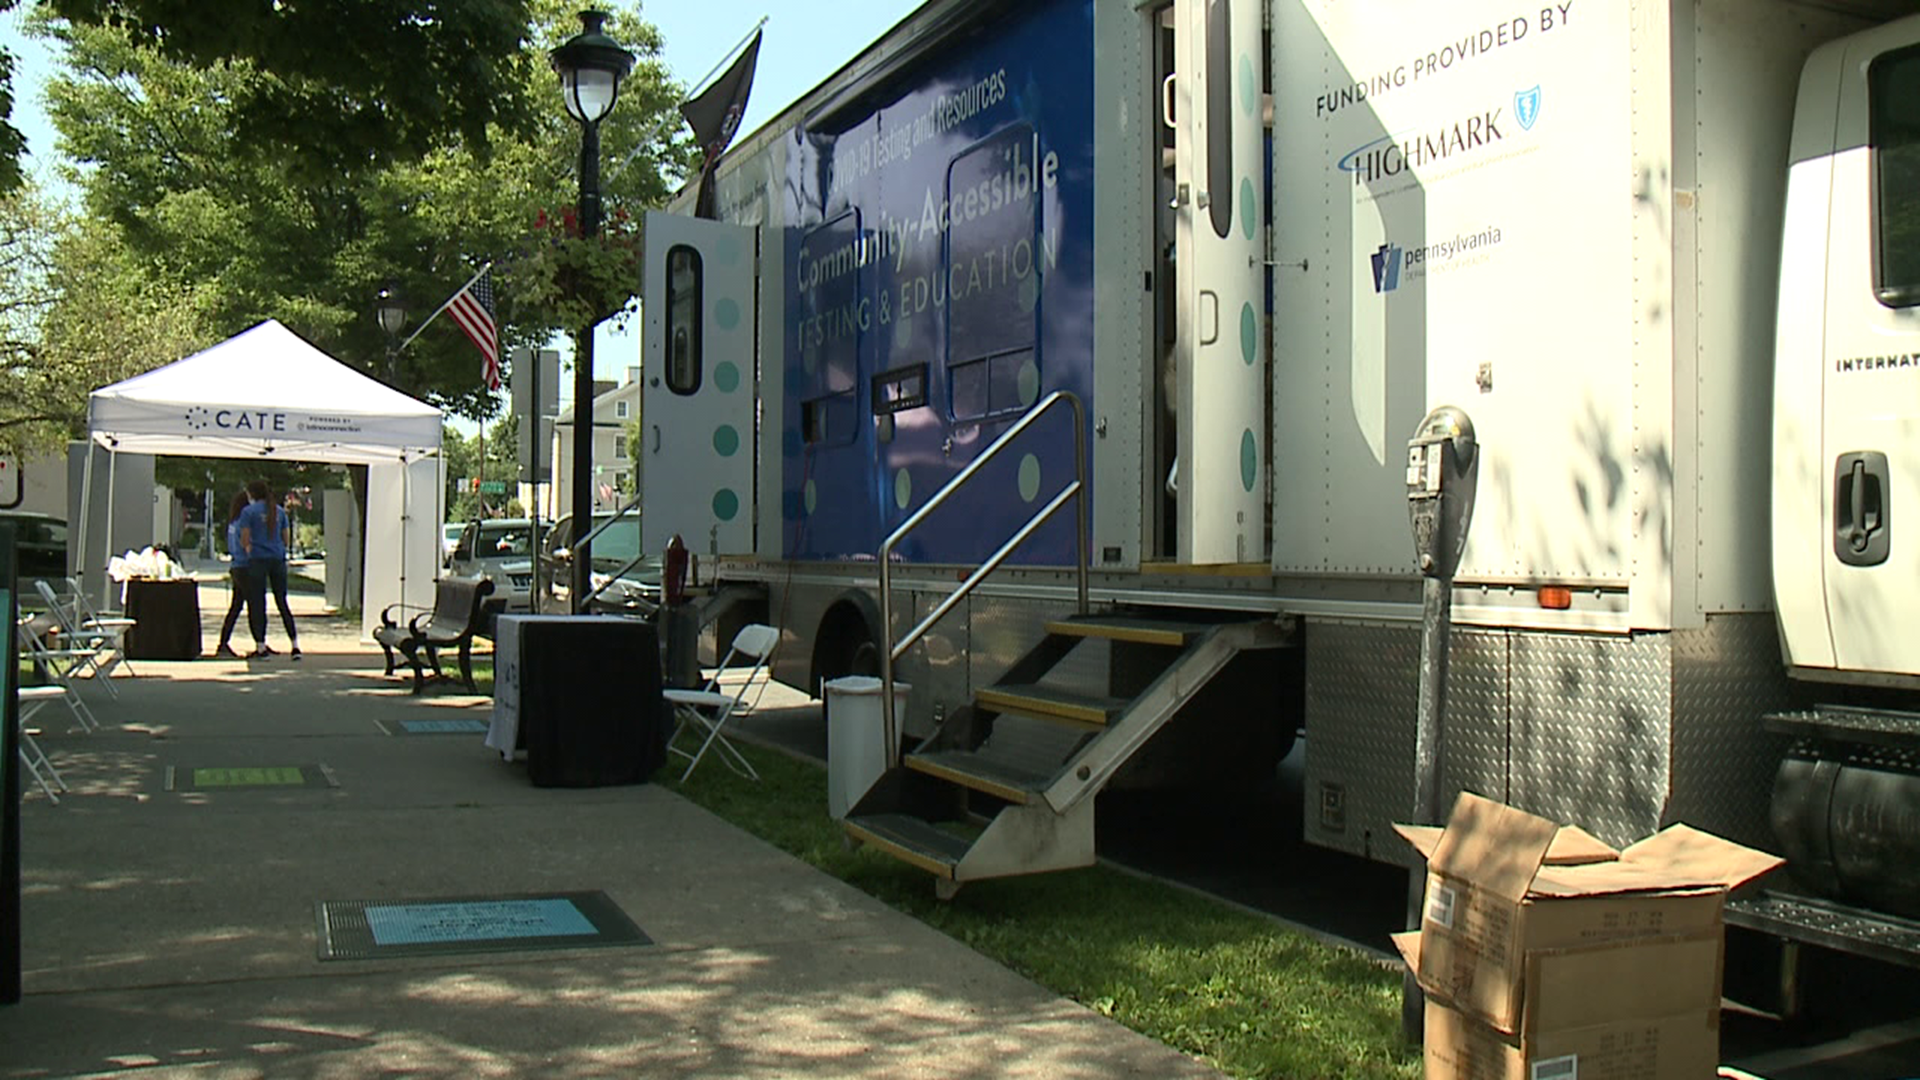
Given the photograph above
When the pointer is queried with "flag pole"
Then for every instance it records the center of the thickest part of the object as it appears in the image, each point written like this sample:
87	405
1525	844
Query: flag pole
731	53
448	303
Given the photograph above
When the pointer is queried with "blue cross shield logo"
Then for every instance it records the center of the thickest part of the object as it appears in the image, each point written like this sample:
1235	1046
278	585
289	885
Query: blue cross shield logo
1526	107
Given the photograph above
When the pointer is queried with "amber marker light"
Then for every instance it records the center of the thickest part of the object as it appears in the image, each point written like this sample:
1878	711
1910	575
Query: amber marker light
1556	597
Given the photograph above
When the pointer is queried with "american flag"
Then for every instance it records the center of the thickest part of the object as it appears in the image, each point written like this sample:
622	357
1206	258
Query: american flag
472	308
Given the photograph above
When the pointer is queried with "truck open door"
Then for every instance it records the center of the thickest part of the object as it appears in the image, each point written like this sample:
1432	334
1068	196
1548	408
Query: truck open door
1213	101
697	407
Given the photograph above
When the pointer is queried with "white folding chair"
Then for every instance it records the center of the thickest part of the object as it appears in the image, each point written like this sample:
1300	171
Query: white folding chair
32	700
91	616
107	643
708	710
58	666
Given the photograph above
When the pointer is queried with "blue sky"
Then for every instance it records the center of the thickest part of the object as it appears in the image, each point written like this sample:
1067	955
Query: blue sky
799	50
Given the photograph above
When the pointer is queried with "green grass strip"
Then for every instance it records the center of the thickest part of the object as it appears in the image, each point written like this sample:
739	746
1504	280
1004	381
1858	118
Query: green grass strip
1246	995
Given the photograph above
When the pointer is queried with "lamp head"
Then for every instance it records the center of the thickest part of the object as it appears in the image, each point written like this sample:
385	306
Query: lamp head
590	65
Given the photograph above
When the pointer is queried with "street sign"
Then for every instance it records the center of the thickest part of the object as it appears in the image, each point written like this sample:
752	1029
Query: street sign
493	487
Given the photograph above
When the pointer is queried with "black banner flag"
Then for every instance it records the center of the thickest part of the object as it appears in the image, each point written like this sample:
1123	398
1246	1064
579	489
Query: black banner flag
715	116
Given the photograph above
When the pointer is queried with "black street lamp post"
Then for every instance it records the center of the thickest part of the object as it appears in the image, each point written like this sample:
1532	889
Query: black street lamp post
590	66
390	310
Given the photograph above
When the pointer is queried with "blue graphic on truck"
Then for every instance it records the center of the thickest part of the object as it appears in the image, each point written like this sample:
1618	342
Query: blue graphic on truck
938	271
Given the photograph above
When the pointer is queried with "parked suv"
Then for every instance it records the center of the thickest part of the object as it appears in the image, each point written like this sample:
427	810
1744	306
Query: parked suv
632	587
500	549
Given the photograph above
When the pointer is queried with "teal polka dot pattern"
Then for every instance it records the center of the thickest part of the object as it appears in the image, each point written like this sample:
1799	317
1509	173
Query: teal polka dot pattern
726	376
1029	382
810	497
902	489
725	504
726	441
1249	210
1249	334
1029	478
726	313
1249	86
1249	460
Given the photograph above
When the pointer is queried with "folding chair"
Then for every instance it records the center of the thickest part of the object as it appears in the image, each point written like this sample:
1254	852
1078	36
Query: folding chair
32	700
57	665
107	643
709	709
90	616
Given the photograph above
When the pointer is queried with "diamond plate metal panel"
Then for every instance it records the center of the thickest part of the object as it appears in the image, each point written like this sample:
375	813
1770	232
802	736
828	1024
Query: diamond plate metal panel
1591	730
1362	682
936	666
1006	629
1726	677
1363	685
1476	721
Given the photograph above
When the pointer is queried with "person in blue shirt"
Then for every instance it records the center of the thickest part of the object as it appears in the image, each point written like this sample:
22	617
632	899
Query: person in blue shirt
263	535
239	577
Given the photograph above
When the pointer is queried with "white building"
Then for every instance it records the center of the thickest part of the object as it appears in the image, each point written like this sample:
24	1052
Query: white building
615	410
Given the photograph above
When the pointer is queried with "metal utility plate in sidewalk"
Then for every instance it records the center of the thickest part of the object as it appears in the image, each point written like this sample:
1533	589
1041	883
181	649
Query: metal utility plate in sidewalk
527	922
465	726
227	778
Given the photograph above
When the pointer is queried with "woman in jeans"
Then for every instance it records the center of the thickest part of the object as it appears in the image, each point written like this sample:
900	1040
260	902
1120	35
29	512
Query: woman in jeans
263	533
239	578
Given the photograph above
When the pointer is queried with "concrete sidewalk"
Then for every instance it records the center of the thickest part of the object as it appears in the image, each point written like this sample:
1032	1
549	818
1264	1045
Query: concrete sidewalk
174	932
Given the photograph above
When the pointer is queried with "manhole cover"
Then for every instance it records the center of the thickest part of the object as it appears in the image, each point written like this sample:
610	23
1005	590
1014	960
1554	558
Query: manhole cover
373	929
229	778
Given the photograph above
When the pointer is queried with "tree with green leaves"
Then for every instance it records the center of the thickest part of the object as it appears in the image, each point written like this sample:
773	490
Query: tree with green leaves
205	208
342	84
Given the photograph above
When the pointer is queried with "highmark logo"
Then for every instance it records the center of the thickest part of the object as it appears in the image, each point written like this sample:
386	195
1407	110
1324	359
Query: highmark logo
1386	268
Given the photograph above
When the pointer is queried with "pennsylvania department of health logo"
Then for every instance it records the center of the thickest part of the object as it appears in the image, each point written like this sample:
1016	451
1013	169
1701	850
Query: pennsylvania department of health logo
1526	107
198	417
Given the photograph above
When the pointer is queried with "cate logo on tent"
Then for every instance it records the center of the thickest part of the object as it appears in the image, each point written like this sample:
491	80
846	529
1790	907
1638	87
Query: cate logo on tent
199	418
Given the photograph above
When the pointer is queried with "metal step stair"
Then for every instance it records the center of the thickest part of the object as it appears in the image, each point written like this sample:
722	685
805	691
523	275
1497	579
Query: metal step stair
1040	751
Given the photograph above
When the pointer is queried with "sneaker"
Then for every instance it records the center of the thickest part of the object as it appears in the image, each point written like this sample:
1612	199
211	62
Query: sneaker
225	650
260	652
294	652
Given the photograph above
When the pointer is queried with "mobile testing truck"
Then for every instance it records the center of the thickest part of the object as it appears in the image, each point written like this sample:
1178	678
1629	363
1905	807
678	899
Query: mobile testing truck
1157	292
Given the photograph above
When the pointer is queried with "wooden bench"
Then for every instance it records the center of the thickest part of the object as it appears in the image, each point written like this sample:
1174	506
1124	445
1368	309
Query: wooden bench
459	612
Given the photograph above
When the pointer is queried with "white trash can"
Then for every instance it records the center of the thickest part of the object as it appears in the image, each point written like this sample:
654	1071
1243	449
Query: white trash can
857	737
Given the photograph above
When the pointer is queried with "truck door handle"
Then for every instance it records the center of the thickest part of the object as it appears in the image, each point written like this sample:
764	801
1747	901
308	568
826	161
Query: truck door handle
1861	518
1212	323
1166	100
656	438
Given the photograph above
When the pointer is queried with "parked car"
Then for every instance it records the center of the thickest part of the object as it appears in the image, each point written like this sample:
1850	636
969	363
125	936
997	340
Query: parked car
450	539
40	546
500	549
631	580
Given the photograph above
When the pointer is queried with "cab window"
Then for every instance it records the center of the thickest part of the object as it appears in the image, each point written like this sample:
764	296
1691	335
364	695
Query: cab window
1893	83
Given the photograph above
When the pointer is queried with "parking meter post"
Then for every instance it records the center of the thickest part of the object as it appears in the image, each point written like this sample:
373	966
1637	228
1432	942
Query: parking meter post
1442	465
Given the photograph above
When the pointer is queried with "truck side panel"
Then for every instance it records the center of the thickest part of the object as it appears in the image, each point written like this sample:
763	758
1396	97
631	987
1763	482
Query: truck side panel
938	264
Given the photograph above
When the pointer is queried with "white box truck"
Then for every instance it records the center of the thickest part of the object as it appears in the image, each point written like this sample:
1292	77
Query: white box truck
1192	274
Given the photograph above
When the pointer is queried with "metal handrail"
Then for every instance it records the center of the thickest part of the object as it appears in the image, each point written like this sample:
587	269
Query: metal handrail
574	546
1075	491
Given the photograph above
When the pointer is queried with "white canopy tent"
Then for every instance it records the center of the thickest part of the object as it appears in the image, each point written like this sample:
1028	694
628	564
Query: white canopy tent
269	394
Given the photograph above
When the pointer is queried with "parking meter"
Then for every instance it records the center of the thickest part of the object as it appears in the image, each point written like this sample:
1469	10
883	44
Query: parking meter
1442	466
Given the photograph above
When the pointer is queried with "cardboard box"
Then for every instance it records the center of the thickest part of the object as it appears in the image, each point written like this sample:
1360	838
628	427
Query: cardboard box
1680	1047
1504	885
